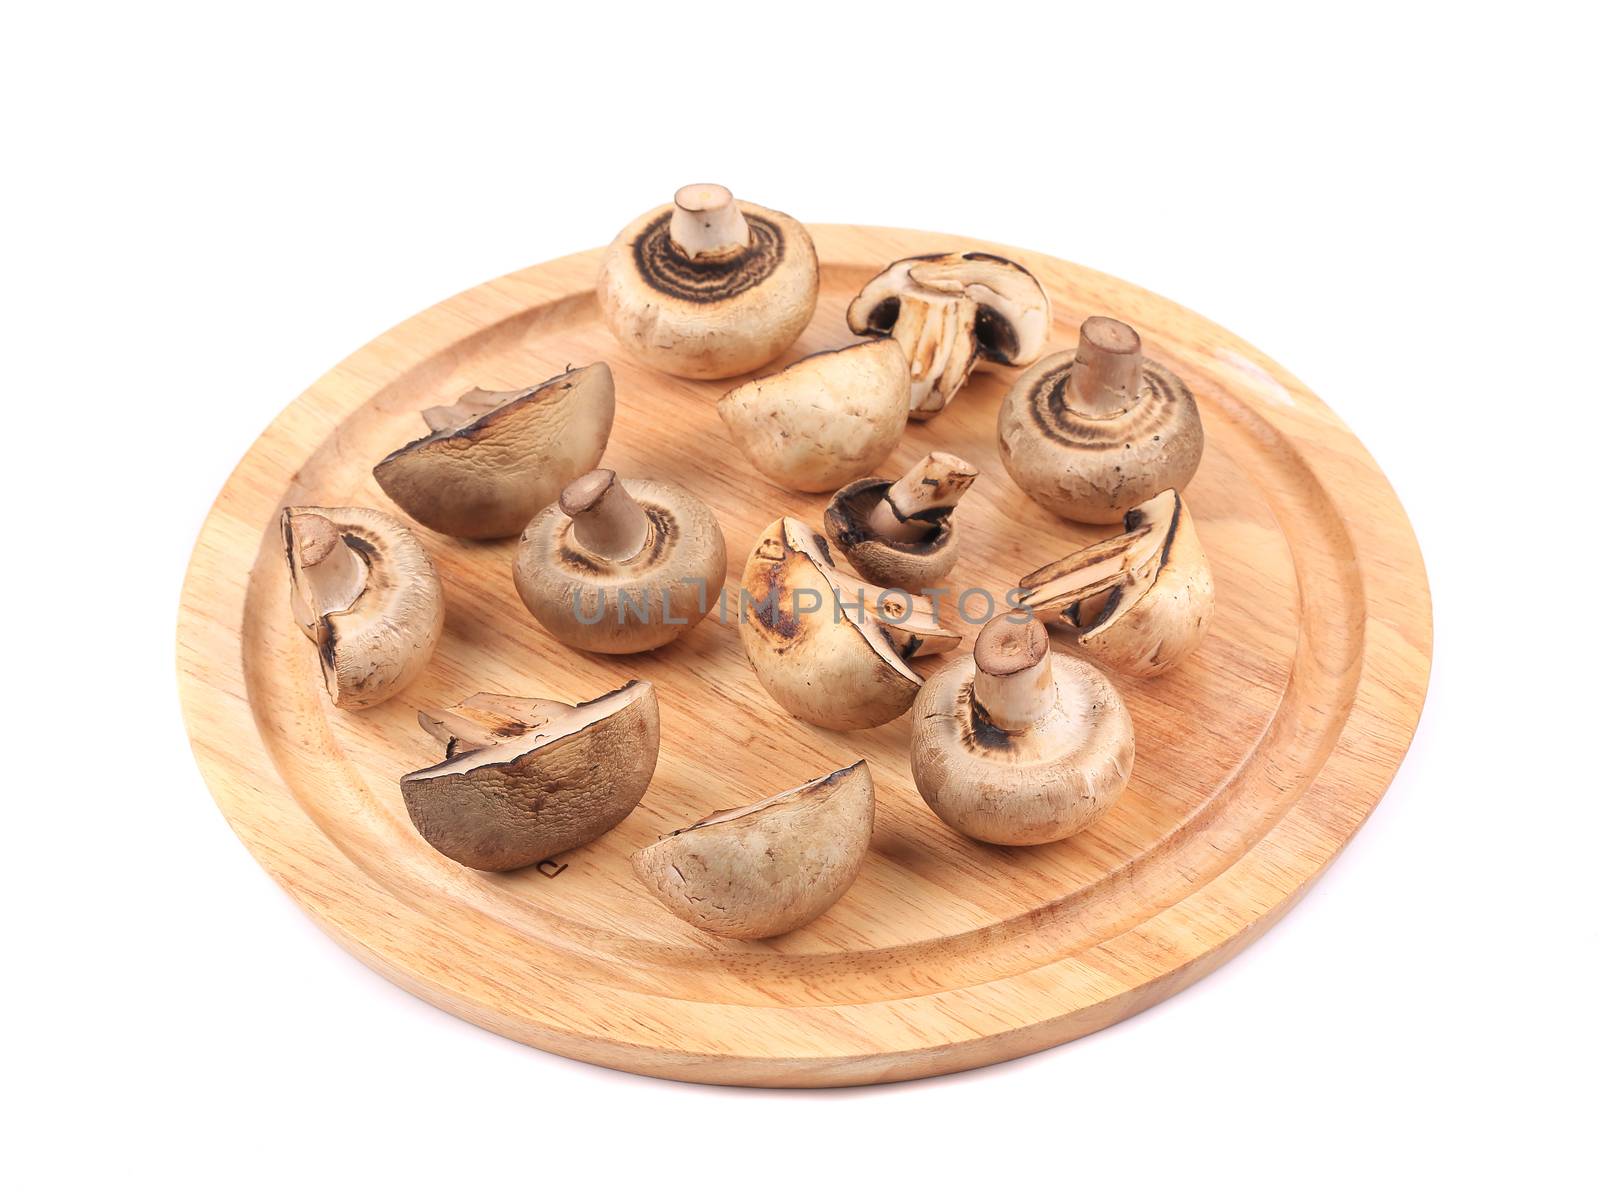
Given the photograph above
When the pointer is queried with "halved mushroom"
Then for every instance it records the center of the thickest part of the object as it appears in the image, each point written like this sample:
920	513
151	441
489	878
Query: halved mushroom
910	620
620	566
527	778
824	419
709	287
1016	745
1092	432
1138	602
947	312
765	869
822	661
363	590
494	460
902	532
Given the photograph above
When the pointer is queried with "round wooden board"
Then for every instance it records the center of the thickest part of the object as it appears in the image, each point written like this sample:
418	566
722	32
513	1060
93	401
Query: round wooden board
1258	758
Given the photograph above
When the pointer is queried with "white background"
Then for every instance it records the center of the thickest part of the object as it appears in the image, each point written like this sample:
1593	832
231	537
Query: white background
205	208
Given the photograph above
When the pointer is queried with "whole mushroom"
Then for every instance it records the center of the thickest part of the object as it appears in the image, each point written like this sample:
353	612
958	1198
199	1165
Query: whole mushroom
494	460
1016	745
830	664
524	779
619	566
709	287
1138	602
762	870
949	311
363	590
1092	432
902	532
824	419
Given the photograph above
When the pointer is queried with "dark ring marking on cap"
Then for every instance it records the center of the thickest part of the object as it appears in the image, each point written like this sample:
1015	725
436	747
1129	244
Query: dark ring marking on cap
1160	395
664	266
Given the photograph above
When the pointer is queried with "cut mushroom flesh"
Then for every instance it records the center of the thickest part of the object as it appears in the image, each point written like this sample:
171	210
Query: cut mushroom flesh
1140	600
948	311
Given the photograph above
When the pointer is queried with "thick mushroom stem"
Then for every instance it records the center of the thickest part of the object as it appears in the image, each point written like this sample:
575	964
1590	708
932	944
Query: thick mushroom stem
913	505
607	521
1106	368
327	573
1012	685
707	223
935	331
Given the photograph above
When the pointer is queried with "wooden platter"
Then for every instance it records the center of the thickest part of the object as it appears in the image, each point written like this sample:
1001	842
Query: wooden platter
1258	758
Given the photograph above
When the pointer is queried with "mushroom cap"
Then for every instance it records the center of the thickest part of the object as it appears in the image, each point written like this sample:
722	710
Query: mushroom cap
1013	317
709	318
914	565
365	592
763	870
830	665
825	419
1093	469
504	457
622	606
1155	585
553	782
1026	787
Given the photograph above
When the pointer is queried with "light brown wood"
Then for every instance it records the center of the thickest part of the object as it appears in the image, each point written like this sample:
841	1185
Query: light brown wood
1258	757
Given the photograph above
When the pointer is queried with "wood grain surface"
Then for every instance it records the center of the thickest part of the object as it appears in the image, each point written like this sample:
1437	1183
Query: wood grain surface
1258	758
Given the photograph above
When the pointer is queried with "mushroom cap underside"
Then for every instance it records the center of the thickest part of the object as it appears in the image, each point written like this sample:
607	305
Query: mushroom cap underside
709	318
488	475
1094	469
557	785
1022	787
824	663
823	420
375	625
758	871
635	604
907	564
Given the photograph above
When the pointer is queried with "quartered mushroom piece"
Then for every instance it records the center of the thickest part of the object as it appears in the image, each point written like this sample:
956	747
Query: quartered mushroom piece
524	779
949	311
1018	745
1090	433
1138	602
827	663
902	532
363	590
824	419
765	869
619	566
709	287
494	460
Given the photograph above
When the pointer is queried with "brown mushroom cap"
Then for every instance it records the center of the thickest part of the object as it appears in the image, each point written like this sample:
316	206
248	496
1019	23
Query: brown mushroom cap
527	778
1138	602
494	460
364	591
949	311
1016	745
620	566
1092	432
824	419
731	301
902	532
823	662
763	870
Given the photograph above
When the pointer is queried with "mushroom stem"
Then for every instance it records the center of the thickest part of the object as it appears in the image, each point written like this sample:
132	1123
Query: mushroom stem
914	503
1106	369
472	406
328	574
934	329
608	522
707	223
1012	685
